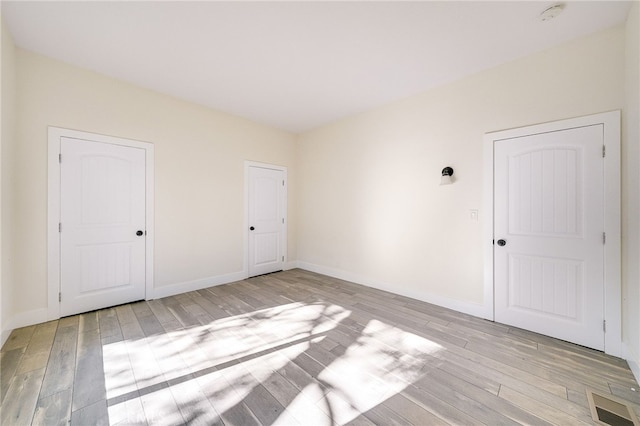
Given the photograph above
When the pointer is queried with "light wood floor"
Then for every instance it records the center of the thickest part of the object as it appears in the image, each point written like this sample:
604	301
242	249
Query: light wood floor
297	348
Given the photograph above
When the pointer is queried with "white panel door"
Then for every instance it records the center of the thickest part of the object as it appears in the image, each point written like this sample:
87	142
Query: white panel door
102	211
549	223
266	220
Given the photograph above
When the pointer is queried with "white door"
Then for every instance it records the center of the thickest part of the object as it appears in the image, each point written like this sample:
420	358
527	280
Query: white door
266	215
548	229
102	215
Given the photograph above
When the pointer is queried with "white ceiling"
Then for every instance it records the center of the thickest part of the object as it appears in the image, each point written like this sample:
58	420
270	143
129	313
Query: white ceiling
296	65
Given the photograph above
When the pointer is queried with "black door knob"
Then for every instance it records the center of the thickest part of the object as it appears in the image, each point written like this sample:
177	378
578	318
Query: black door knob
252	228
502	243
139	233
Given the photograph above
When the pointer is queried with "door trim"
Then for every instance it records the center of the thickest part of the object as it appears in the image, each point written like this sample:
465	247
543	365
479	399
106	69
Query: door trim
245	234
612	220
53	209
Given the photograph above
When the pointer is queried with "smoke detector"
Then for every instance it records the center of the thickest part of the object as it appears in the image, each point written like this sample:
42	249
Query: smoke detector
551	12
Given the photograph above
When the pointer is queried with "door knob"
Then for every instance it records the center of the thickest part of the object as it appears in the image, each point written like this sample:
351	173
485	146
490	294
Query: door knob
139	233
252	228
502	243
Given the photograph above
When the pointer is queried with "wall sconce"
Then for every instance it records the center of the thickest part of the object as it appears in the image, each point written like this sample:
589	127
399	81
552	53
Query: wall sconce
447	172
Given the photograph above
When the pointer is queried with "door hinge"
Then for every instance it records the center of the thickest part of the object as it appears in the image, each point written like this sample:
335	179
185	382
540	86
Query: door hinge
604	325
283	258
604	238
59	226
59	158
282	182
283	220
604	151
59	297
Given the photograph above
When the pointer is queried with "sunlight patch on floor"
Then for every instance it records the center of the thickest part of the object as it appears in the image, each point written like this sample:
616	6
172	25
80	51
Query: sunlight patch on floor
227	358
230	358
379	364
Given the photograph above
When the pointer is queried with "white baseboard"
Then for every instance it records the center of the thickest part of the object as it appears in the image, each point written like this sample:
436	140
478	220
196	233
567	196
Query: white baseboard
470	308
179	288
24	319
290	265
4	337
633	360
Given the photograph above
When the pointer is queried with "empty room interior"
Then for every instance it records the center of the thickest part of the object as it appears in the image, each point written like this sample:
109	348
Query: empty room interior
318	213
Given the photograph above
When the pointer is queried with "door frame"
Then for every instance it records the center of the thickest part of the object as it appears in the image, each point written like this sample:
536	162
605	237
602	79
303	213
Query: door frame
53	208
612	297
245	234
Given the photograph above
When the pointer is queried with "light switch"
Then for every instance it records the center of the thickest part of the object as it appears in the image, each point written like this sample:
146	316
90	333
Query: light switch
473	215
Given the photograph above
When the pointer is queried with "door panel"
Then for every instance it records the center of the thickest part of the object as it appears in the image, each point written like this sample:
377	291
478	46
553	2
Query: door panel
544	196
266	217
546	285
102	208
549	276
266	248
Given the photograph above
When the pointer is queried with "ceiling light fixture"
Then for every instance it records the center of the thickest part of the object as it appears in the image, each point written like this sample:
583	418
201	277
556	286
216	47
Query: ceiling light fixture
551	12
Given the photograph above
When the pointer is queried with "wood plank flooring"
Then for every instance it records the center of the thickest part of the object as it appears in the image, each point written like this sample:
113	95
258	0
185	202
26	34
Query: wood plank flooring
297	348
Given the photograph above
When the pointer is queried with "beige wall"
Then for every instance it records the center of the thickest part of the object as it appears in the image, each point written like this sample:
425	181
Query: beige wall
199	170
631	191
369	205
7	192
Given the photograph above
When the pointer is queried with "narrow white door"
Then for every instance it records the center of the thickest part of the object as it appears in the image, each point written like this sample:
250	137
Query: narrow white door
102	211
266	220
549	223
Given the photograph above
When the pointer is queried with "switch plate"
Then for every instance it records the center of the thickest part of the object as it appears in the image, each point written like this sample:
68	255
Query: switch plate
473	215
